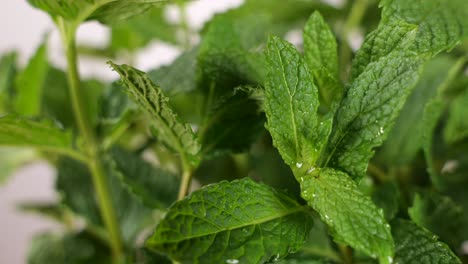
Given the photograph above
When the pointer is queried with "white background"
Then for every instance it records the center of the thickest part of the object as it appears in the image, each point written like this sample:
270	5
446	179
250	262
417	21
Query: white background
22	28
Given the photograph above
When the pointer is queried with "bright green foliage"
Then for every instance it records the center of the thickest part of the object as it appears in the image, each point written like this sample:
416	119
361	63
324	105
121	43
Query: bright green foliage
321	55
152	100
29	84
21	132
7	76
291	103
441	23
457	123
227	221
404	141
432	211
11	159
351	217
417	245
117	10
368	110
155	187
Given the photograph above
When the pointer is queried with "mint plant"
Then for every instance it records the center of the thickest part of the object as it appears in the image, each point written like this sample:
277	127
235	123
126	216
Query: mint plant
313	153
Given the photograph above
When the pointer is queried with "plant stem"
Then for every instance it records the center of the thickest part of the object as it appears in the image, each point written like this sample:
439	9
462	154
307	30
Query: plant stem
186	181
184	24
68	32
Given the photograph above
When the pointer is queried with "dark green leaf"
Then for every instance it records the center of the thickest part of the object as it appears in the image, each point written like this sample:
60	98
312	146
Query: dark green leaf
387	197
291	103
155	187
369	109
441	23
72	248
417	245
456	128
236	222
7	76
352	218
30	82
153	101
440	215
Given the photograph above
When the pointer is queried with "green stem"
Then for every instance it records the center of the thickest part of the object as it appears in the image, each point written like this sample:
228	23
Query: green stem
184	24
68	32
186	181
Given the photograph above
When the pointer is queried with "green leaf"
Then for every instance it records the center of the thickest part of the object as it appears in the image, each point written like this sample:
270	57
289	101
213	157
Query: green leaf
388	37
152	100
321	55
417	245
369	109
233	124
53	211
73	248
155	187
291	103
20	132
116	10
11	159
240	220
456	128
352	218
68	9
387	197
30	82
7	76
441	23
404	140
440	215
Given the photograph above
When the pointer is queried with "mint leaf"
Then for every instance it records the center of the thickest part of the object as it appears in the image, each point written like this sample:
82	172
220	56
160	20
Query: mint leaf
240	220
155	187
351	217
369	109
417	245
387	197
7	76
68	9
388	37
441	23
29	84
291	103
20	132
152	100
431	210
11	159
114	10
404	140
321	55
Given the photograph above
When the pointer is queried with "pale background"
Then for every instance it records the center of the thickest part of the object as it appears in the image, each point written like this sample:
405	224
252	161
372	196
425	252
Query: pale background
22	28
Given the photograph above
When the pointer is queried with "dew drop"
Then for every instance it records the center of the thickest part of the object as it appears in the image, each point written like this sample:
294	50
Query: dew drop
276	258
314	195
298	165
390	259
309	171
232	261
302	179
327	217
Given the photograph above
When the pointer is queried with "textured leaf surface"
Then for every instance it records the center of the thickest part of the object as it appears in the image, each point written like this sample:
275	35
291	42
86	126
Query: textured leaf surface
351	217
20	132
441	23
368	110
239	221
156	188
404	140
417	245
117	10
291	103
321	55
29	84
152	100
440	215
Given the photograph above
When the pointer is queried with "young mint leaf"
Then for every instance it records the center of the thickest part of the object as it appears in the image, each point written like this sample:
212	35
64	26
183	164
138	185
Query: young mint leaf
155	187
116	10
456	128
228	221
291	103
7	76
30	82
432	210
152	100
388	37
352	218
417	245
441	23
368	110
20	132
387	197
320	51
68	9
404	140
